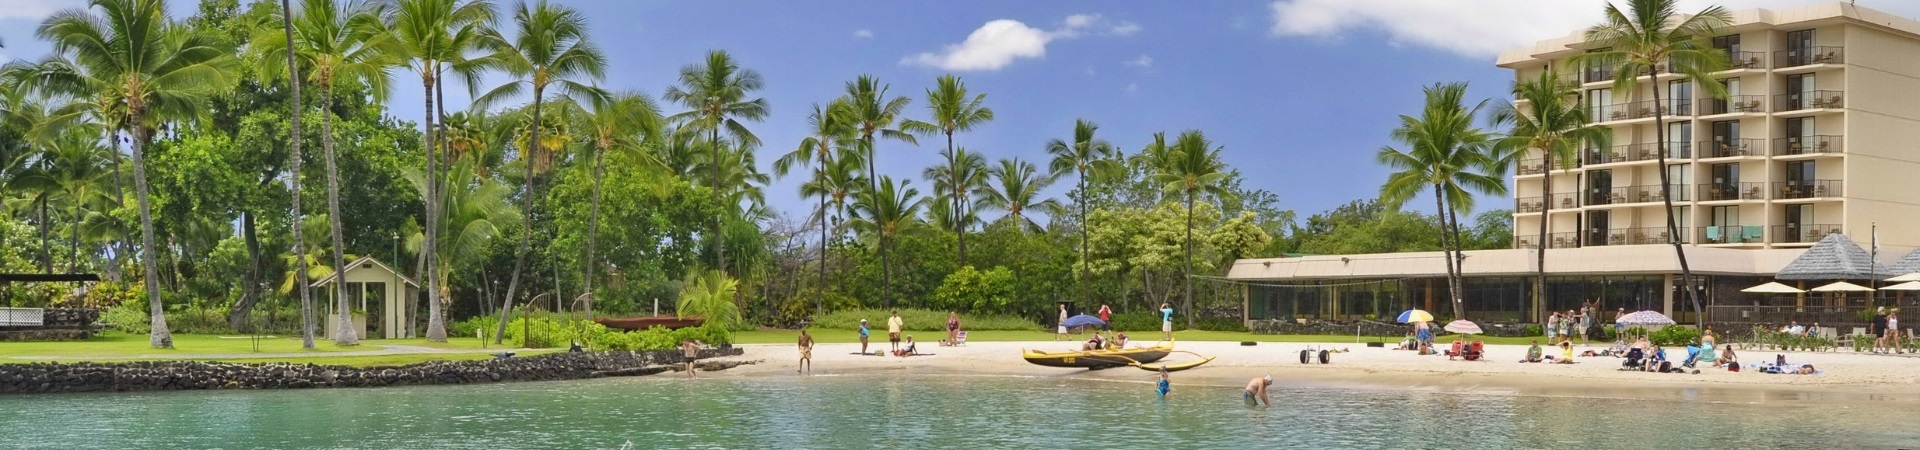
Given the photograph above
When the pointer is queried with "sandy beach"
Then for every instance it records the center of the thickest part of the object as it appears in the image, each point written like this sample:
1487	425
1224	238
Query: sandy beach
1846	376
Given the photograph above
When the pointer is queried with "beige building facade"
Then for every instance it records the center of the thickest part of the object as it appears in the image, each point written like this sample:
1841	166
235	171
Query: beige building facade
1819	133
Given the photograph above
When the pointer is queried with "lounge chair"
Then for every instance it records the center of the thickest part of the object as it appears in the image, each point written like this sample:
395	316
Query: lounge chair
1475	351
1636	358
960	338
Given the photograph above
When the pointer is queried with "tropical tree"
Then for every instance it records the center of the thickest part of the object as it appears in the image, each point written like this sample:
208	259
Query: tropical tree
478	211
550	50
830	132
1650	35
954	182
953	111
618	122
294	135
335	43
872	114
160	72
1016	189
839	181
1087	157
885	213
1192	169
715	94
710	295
1553	123
1446	153
429	37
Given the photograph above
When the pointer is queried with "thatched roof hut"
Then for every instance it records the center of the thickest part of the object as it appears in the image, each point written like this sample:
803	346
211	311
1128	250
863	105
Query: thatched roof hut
1835	257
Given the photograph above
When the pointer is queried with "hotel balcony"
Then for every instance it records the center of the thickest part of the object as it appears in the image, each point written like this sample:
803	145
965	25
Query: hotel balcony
1637	152
1746	60
1731	234
1530	167
1555	240
1734	104
1809	100
1809	145
1533	205
1633	236
1791	58
1633	194
1643	109
1596	74
1803	233
1714	192
1733	148
1807	189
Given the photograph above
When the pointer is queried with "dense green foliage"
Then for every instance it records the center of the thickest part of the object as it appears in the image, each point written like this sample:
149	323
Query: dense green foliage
916	320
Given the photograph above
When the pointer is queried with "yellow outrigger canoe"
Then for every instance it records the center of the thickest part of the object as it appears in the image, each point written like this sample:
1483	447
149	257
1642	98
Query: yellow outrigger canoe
1099	359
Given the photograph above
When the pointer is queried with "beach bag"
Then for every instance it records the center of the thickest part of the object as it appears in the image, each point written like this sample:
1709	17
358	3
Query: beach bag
1733	367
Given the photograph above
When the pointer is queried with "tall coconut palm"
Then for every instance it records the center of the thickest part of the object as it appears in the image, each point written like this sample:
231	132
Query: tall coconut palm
1446	153
715	94
1193	169
478	211
336	43
1087	157
872	115
1016	189
617	122
953	111
550	50
955	182
1553	123
161	71
294	135
830	133
427	37
839	181
885	213
1640	40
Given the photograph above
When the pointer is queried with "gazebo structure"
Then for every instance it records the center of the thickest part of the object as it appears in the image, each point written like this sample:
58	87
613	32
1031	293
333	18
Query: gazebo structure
383	300
1834	258
1906	264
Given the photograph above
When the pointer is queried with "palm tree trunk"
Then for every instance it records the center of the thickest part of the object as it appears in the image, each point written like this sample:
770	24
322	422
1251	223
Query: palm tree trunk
73	251
820	294
158	336
46	237
719	222
886	274
1446	250
1666	198
346	335
1189	277
526	222
593	223
959	192
430	245
1085	296
294	135
1540	279
1459	257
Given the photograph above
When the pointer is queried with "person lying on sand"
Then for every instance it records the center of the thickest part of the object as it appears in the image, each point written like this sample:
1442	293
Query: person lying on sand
1256	392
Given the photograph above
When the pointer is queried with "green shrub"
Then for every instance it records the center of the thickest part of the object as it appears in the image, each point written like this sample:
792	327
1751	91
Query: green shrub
1217	324
125	318
1674	335
975	290
919	320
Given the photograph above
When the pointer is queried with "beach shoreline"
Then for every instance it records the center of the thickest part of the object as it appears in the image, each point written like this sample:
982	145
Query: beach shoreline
1847	377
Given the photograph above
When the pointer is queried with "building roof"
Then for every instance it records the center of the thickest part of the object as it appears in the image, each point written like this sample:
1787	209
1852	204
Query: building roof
1835	257
364	260
1603	260
1906	265
1745	19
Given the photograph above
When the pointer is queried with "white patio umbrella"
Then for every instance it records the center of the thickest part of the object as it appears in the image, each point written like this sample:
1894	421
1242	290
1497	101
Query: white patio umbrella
1908	277
1773	288
1907	286
1842	286
1646	318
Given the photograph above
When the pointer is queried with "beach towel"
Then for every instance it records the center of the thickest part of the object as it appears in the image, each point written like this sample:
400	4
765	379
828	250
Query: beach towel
1779	368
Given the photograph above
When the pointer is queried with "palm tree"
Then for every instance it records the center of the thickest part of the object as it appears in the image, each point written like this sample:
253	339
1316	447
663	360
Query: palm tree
1016	188
1639	41
478	211
294	135
1448	154
1555	124
839	180
885	212
953	111
871	113
550	50
161	71
710	295
964	173
1086	156
830	132
427	36
334	44
1193	168
617	122
716	97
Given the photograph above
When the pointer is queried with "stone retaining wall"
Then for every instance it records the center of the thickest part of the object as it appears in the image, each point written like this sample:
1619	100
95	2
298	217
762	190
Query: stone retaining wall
190	375
1370	328
61	324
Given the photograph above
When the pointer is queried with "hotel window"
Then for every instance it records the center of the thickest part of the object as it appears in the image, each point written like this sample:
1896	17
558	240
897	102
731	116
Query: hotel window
1799	220
1679	177
1800	93
1682	218
1799	135
1600	105
1724	226
1679	140
1731	44
1726	140
1680	98
1726	182
1599	186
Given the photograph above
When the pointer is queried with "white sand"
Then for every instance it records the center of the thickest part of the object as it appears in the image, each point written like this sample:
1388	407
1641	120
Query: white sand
1847	376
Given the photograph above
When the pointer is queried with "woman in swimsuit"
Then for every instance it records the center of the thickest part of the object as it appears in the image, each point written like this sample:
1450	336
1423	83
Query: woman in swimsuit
953	327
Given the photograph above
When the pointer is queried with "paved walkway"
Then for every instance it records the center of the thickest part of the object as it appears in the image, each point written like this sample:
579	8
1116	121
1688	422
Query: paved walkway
384	350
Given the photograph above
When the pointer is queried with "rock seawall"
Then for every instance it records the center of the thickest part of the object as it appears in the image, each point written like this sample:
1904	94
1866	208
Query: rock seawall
194	375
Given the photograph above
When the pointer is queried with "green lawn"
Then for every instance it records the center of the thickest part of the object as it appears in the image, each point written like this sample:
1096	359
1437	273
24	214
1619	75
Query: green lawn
381	360
848	336
117	344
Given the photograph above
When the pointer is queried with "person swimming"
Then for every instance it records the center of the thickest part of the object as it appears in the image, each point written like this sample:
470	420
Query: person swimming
1164	385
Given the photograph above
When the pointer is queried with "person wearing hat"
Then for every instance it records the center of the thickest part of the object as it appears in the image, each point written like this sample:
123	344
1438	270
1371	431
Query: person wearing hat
863	336
1878	328
1619	328
1256	392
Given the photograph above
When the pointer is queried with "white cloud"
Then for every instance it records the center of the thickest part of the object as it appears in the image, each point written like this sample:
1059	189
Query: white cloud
863	34
1131	88
1142	61
1000	42
1482	29
35	9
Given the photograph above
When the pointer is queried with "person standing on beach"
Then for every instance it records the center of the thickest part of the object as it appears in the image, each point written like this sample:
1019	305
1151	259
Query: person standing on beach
953	328
1106	315
806	352
1619	329
1877	327
1893	331
1256	392
1166	321
1061	333
1586	323
1553	328
1165	385
692	352
893	330
863	336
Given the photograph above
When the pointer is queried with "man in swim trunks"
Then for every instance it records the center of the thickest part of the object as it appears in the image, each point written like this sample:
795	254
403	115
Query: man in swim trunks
1166	321
806	352
863	336
893	330
1256	392
692	349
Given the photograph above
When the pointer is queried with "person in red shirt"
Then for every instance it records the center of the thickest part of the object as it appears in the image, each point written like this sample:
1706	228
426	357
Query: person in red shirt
1106	315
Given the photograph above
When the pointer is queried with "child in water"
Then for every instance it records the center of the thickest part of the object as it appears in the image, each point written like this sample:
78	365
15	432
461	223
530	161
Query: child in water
1164	385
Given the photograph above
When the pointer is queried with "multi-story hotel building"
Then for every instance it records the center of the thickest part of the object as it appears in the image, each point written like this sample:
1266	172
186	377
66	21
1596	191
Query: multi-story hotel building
1818	134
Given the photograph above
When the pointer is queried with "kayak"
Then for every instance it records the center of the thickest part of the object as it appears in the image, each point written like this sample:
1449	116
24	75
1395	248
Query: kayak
1099	359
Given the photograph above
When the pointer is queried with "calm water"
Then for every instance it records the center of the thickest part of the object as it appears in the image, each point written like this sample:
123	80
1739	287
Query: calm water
926	412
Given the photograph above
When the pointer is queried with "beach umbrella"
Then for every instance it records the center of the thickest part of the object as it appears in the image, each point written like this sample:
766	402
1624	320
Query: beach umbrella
1415	315
1463	327
1645	318
1908	277
1773	288
1907	286
1842	286
1084	320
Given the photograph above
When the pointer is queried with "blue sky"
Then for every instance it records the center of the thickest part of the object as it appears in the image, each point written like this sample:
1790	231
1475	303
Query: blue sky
1300	93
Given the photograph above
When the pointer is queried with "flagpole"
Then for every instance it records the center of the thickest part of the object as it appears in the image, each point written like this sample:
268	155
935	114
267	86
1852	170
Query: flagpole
1873	267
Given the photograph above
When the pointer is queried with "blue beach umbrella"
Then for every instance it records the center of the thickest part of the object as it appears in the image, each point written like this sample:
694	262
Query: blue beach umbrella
1084	320
1414	315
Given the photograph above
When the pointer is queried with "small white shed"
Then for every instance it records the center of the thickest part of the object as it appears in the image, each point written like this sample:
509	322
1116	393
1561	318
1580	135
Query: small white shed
382	299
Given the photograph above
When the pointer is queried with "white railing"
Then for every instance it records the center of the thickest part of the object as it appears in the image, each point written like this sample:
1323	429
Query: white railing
22	317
